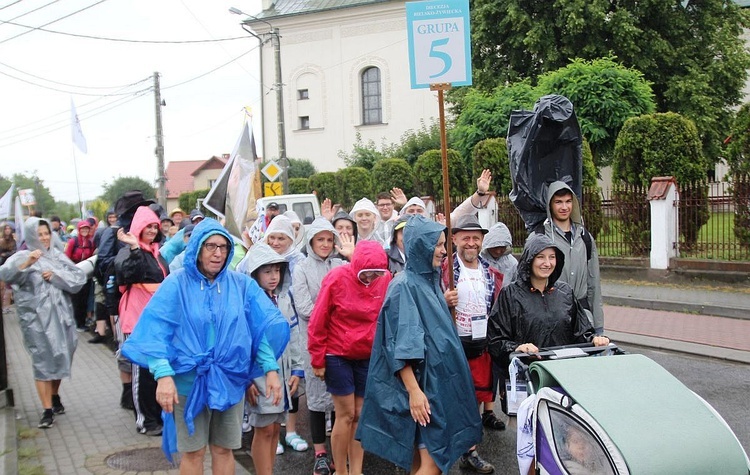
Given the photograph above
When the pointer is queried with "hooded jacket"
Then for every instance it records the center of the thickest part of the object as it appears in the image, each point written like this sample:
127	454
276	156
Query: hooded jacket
346	311
290	363
80	248
499	235
206	332
523	314
580	272
415	328
44	308
306	281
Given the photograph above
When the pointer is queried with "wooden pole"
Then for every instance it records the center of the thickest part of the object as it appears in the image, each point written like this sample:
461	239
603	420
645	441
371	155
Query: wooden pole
446	185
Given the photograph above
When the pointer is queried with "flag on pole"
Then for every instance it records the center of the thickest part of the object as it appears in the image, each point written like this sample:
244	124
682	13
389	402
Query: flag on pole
19	221
235	192
6	203
75	129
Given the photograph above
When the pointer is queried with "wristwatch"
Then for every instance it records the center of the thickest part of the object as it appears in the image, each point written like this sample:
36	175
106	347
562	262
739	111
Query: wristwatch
481	193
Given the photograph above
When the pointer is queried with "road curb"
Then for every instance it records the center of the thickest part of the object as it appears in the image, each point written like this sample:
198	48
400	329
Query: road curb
728	354
9	447
682	307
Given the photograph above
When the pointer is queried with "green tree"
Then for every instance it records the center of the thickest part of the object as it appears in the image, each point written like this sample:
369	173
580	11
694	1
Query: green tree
416	142
363	155
486	115
45	203
300	168
325	185
393	172
692	51
493	155
605	94
354	183
120	185
428	174
593	216
738	149
660	145
299	185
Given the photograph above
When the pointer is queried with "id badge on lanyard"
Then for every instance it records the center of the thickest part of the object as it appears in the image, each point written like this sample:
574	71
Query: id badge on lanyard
479	327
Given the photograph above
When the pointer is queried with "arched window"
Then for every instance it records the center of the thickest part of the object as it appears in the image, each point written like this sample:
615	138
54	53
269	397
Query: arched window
372	101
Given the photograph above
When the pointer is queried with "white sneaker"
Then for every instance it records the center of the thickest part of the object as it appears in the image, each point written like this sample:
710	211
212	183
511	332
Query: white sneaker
279	448
246	427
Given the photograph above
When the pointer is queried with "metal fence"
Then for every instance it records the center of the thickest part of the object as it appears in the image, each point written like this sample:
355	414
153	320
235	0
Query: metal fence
714	219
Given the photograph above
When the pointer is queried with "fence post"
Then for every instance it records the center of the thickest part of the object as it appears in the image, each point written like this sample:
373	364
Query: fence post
663	198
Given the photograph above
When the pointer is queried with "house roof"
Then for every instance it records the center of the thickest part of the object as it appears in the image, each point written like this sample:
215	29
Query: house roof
180	176
211	164
301	7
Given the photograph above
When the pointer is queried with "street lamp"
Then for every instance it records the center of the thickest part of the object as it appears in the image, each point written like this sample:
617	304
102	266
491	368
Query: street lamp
280	129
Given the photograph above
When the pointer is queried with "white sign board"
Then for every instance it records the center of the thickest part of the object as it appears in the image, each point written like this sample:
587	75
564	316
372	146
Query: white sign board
27	197
439	43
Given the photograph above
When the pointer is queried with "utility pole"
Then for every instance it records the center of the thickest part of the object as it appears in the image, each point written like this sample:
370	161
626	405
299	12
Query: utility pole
159	151
280	112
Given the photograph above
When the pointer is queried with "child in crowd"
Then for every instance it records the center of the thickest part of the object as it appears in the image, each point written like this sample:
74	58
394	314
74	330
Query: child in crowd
267	267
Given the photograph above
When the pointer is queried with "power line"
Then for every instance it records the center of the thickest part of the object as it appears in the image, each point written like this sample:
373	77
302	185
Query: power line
62	90
211	71
31	11
121	40
62	83
10	4
54	21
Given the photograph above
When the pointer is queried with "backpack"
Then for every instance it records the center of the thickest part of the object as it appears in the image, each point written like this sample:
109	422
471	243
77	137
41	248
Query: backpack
586	236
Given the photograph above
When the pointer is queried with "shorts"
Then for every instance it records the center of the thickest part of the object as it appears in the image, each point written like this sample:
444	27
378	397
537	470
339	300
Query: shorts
345	376
223	429
481	373
265	420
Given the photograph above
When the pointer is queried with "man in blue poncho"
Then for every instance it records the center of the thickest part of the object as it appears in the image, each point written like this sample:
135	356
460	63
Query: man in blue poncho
205	334
419	410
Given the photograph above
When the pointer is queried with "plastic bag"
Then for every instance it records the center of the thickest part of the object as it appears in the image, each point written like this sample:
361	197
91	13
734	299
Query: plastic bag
544	145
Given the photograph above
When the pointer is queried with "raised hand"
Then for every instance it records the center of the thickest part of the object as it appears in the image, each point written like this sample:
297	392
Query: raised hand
398	196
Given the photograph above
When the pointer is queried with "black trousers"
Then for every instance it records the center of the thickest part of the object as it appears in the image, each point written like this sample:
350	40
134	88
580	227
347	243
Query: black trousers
80	301
147	410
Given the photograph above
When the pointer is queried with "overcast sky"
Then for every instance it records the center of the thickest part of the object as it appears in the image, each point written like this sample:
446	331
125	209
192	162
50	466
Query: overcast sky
111	84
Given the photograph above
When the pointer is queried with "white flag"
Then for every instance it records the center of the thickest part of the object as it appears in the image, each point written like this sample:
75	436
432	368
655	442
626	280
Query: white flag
6	203
75	129
19	221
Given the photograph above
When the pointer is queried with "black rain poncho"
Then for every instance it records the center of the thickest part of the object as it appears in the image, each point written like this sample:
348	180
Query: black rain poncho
522	314
44	308
415	327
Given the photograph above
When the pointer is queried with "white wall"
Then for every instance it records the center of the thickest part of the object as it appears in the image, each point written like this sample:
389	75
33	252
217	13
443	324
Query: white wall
325	53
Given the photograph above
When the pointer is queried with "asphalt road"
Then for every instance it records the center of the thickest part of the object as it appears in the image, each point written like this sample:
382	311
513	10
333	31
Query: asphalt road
723	384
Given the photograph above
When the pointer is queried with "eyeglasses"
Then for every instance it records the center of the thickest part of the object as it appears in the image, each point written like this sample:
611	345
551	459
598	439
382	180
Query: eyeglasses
212	247
384	205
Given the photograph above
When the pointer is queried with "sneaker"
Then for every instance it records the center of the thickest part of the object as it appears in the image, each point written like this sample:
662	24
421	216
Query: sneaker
473	461
57	406
322	465
155	432
297	443
279	448
246	427
47	420
98	339
490	420
81	329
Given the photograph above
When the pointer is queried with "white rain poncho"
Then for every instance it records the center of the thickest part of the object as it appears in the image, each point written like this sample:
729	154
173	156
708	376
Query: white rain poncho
44	308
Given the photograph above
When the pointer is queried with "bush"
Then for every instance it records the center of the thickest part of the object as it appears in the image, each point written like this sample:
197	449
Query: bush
393	172
354	183
324	184
299	185
741	200
591	208
493	154
416	142
659	145
188	201
300	168
428	174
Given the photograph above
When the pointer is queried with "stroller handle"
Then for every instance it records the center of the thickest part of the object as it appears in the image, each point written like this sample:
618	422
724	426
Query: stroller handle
576	350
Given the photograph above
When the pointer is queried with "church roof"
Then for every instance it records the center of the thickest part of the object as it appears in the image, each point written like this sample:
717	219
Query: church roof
301	7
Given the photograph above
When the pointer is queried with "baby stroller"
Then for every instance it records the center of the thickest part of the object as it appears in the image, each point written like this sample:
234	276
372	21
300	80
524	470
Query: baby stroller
620	414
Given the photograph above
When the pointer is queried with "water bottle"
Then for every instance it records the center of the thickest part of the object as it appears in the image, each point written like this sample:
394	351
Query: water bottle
111	284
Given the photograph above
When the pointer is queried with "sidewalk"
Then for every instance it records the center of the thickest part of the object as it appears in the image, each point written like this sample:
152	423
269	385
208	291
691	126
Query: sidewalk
94	436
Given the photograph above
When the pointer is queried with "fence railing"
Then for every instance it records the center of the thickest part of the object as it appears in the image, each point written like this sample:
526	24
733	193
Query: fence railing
714	219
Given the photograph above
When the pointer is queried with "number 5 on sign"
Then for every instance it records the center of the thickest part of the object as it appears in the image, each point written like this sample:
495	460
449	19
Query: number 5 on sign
439	42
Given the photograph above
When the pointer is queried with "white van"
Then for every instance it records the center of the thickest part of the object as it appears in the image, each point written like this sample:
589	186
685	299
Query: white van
306	206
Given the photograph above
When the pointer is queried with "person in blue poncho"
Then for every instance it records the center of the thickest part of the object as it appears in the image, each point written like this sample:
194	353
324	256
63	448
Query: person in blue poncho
419	410
205	334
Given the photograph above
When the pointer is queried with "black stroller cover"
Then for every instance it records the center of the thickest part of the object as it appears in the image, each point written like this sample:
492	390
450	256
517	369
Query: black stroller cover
544	145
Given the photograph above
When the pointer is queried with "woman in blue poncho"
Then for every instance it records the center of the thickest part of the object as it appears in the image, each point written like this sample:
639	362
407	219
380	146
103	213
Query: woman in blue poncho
420	411
205	334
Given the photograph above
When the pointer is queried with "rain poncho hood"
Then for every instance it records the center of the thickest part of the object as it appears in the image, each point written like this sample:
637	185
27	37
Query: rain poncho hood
261	255
299	235
415	328
575	215
414	200
536	244
280	224
499	235
365	205
320	225
344	215
44	308
209	328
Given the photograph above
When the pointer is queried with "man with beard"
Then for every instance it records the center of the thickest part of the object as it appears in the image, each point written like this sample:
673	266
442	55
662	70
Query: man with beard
476	288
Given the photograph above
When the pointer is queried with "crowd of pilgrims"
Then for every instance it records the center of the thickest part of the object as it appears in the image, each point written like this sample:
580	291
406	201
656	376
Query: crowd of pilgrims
366	302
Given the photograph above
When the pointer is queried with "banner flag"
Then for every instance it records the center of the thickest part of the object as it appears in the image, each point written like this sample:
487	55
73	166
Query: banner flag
19	221
6	203
75	129
234	194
